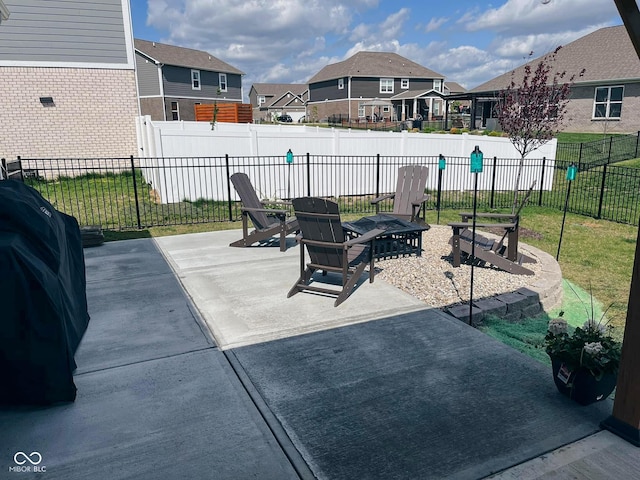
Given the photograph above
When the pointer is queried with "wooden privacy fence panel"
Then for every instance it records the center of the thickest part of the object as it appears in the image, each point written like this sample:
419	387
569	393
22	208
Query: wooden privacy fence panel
227	112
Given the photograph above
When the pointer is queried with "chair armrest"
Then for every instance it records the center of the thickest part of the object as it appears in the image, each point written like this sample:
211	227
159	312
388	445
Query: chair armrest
367	237
276	202
421	201
382	197
506	216
265	210
506	226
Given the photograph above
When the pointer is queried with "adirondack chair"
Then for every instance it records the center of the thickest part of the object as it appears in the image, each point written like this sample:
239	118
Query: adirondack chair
328	248
266	222
488	250
409	195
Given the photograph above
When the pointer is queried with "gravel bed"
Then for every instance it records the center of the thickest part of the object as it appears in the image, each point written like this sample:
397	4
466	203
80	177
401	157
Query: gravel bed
433	279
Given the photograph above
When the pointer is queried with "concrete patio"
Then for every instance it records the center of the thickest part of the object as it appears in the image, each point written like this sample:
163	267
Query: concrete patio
196	365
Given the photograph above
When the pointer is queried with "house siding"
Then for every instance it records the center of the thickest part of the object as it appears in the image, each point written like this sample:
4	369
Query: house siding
365	87
177	83
580	110
154	107
94	113
148	79
82	32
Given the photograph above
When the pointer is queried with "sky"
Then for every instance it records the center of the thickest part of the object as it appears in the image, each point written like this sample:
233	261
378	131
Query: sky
289	41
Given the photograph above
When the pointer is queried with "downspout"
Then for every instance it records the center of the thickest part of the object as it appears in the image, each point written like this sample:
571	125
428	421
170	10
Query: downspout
349	96
164	105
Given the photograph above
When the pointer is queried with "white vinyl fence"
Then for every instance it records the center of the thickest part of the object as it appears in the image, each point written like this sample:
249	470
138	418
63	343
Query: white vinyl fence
186	160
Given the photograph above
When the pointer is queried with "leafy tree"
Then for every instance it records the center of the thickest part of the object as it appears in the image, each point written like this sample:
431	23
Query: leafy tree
531	111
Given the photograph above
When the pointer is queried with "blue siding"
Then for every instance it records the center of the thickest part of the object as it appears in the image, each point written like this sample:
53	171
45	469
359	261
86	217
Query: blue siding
70	31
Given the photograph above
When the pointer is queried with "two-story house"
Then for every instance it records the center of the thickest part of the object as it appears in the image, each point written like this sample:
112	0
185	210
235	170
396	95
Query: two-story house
402	88
604	98
171	80
68	79
270	100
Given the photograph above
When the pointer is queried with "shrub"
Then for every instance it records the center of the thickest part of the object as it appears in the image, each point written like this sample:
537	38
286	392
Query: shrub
454	130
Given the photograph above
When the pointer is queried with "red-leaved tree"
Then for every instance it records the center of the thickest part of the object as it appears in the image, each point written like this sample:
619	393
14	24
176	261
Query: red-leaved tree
531	111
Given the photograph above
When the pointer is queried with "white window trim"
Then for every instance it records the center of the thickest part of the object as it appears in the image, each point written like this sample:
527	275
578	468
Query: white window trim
607	103
194	74
222	76
404	83
385	81
437	84
177	110
362	110
341	84
261	100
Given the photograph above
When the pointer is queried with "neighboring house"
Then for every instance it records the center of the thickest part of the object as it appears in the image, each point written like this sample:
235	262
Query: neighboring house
68	79
604	99
376	84
171	80
274	99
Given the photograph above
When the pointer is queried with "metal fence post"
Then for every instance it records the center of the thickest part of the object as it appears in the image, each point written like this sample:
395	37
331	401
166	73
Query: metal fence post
580	157
135	192
493	180
604	178
637	140
610	145
308	175
377	175
544	161
226	161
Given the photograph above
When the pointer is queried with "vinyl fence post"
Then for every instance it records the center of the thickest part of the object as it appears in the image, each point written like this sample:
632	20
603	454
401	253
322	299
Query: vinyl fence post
135	192
226	161
544	161
308	175
493	180
604	178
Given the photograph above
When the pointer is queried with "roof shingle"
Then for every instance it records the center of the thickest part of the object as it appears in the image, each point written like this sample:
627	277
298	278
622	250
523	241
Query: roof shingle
183	57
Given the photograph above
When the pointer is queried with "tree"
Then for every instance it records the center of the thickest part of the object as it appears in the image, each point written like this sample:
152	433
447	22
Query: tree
531	112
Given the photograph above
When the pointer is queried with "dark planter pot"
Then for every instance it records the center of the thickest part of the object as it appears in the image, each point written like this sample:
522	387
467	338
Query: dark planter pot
582	386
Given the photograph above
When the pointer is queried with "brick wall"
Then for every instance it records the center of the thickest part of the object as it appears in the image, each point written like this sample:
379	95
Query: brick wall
93	116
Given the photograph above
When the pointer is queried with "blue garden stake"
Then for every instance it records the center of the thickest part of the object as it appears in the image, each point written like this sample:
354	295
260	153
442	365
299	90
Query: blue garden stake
289	162
571	176
476	168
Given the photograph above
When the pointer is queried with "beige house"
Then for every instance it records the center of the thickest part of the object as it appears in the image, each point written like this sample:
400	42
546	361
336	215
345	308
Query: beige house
275	99
604	99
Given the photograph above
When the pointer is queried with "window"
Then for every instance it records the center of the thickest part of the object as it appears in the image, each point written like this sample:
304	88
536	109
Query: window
386	85
404	83
195	79
222	81
261	99
437	85
608	102
175	111
340	83
362	111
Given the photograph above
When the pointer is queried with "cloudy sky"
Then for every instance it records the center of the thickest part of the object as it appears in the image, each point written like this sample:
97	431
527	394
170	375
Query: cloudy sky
288	41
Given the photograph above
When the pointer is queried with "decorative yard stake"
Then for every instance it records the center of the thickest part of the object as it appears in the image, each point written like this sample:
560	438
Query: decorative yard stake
289	162
476	168
571	176
442	163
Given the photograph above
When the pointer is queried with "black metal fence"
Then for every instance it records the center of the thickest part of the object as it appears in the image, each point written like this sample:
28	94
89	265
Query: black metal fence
610	149
117	193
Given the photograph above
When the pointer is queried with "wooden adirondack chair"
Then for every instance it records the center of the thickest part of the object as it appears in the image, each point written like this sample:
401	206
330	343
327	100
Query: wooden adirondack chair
409	195
267	222
329	251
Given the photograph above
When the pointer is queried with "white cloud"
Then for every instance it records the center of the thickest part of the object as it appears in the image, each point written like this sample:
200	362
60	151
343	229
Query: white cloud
435	23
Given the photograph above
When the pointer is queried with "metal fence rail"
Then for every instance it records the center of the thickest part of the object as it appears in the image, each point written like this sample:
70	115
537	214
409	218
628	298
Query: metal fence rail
609	150
117	194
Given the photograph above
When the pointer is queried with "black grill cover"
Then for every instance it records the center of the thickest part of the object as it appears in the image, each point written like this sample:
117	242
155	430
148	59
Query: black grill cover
43	302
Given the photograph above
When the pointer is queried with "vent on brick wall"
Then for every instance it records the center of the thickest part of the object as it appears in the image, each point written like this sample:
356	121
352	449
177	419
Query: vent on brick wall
47	101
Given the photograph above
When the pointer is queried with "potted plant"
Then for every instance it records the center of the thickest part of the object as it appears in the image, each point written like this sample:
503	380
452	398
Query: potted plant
585	362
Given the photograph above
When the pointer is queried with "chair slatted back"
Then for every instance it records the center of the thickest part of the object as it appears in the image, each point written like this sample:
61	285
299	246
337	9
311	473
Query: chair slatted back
319	220
412	180
250	199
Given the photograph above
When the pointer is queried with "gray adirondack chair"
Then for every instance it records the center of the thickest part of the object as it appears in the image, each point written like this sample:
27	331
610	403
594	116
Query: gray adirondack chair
322	235
266	222
409	195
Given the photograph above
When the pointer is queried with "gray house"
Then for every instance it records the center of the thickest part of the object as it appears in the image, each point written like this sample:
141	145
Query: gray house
604	99
404	89
269	99
171	80
68	79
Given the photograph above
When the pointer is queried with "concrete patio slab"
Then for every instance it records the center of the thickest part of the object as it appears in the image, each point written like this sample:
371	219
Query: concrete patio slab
242	292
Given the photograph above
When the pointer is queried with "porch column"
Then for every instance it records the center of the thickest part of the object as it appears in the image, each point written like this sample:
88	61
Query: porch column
404	111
